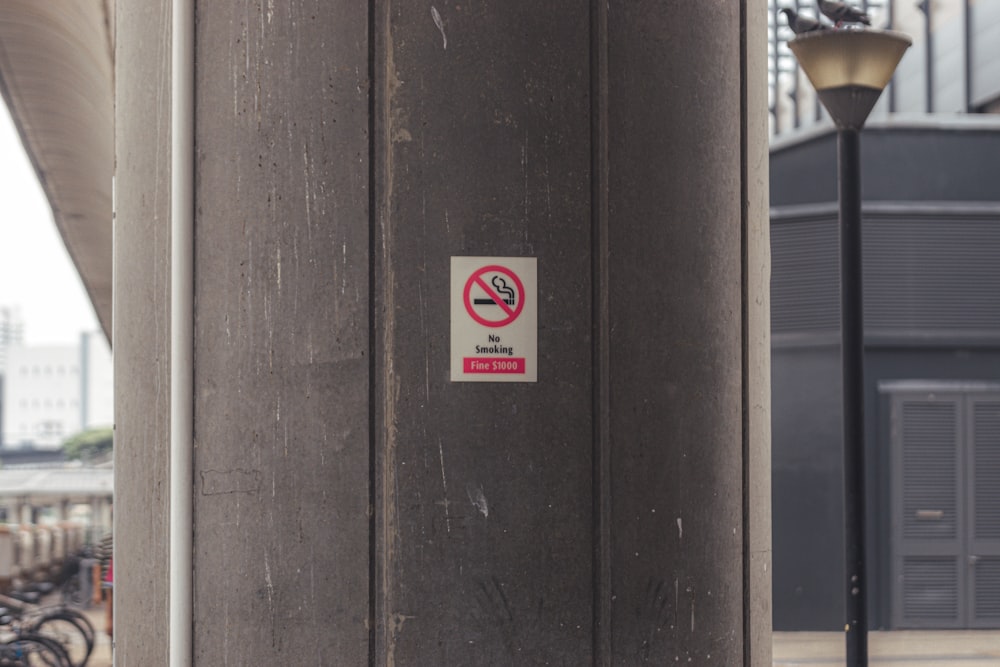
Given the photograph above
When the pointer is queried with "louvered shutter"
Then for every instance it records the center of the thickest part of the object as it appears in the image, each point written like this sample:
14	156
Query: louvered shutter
928	530
936	274
984	499
805	276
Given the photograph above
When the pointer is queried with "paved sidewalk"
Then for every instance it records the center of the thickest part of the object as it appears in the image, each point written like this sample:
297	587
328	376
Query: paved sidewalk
911	648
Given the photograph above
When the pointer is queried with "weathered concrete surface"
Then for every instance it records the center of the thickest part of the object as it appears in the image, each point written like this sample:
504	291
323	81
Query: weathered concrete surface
141	333
281	334
676	350
484	501
354	506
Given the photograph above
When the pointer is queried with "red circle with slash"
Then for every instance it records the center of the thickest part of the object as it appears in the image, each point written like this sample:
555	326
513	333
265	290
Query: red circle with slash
509	312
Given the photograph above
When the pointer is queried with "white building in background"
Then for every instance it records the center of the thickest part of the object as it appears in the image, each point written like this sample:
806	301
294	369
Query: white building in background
97	401
53	392
11	333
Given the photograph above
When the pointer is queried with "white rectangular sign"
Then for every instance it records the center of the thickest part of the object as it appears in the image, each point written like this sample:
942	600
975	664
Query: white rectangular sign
494	319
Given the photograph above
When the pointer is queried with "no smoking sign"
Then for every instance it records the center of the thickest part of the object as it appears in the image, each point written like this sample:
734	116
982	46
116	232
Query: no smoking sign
494	319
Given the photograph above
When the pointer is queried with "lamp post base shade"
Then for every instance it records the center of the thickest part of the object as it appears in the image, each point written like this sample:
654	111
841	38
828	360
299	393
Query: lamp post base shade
849	106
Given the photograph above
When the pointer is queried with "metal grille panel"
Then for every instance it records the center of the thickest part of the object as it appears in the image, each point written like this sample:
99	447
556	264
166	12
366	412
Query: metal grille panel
986	473
805	283
987	589
930	588
945	451
930	470
932	273
924	273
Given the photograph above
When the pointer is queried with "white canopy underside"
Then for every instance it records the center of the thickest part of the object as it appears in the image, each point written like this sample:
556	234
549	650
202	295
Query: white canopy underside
57	77
55	484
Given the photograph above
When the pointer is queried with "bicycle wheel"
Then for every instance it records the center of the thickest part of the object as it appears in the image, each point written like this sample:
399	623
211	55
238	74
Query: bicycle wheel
69	633
36	651
79	619
62	610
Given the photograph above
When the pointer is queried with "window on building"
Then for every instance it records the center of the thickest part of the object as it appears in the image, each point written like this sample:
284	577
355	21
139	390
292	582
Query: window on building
49	427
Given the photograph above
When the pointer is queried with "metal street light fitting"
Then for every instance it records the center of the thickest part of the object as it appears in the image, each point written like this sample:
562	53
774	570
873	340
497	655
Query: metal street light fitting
849	69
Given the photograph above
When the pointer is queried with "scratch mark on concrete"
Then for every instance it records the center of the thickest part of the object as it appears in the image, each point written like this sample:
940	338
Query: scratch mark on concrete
220	482
312	576
444	483
395	628
440	25
306	176
427	349
267	578
225	638
478	499
524	168
343	281
270	596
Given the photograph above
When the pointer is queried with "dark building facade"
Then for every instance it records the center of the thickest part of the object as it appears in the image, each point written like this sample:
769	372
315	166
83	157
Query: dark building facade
932	370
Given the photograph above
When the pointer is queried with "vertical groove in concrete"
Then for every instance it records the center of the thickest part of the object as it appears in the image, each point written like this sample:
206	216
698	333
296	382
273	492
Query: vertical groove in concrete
380	327
745	342
601	335
376	97
374	505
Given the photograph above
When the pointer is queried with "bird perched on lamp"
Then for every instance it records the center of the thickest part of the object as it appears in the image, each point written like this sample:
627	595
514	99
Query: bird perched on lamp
841	13
800	24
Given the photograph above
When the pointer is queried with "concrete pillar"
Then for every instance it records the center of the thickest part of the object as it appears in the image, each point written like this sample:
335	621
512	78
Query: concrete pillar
354	506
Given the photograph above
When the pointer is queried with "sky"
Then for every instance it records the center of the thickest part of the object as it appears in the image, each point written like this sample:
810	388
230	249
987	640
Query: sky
36	274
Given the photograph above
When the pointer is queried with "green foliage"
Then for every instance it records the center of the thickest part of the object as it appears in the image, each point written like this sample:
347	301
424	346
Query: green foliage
90	446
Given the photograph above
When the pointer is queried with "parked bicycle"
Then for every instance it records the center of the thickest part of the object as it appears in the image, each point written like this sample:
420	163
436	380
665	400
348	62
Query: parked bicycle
66	627
25	649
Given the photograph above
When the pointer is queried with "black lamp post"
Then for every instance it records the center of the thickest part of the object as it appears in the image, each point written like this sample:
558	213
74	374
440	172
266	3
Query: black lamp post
849	69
